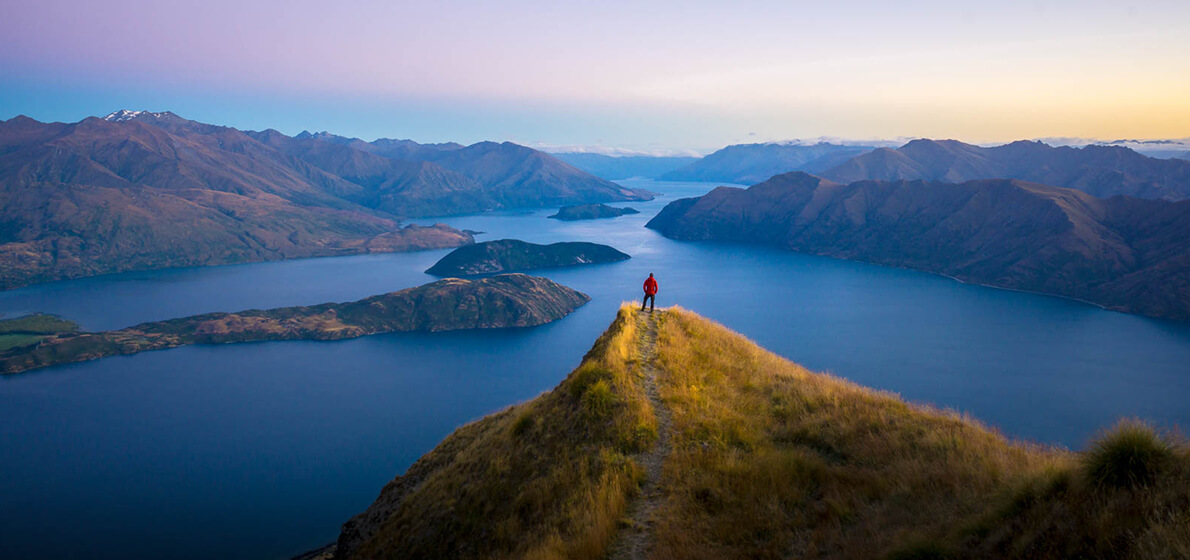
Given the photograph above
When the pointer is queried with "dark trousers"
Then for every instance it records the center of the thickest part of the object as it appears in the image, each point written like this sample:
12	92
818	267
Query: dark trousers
649	299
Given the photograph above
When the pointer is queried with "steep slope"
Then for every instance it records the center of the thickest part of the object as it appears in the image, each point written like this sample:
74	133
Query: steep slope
760	458
752	163
505	255
624	167
156	191
511	175
508	300
1122	253
1102	171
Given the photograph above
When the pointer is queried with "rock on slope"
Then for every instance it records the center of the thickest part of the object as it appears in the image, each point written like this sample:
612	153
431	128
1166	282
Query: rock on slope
764	459
1123	253
507	255
508	300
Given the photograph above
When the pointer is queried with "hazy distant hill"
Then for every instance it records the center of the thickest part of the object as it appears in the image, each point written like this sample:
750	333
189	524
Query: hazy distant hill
625	167
752	163
1124	253
679	437
504	175
1102	171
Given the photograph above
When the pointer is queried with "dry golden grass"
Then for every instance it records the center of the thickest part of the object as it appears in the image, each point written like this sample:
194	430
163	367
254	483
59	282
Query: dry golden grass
773	461
769	460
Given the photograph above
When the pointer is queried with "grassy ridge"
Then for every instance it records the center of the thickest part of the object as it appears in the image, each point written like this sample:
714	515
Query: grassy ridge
547	479
769	460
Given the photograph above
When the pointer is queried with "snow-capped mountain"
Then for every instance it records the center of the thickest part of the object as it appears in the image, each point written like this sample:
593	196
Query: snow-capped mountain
126	115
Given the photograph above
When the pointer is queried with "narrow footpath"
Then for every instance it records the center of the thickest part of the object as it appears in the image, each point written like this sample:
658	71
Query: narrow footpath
635	540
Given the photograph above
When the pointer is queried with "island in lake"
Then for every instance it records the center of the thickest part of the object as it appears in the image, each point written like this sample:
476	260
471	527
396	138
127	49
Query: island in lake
507	300
591	212
506	255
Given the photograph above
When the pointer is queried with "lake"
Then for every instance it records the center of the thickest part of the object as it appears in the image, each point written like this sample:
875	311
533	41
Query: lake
262	450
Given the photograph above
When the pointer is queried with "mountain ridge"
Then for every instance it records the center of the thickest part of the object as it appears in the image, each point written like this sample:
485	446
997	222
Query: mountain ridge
1122	253
147	190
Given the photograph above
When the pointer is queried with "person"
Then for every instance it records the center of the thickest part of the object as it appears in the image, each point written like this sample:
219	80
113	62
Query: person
650	292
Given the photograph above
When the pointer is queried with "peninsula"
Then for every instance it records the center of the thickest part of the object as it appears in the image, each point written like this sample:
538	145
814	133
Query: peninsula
508	300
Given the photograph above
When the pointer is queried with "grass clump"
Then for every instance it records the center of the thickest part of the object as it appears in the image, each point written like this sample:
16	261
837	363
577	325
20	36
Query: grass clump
1130	455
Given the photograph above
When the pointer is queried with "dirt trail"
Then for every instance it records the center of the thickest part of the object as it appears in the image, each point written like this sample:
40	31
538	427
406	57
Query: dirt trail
636	538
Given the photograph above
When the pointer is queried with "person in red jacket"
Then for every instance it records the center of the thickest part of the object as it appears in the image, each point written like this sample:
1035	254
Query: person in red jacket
650	292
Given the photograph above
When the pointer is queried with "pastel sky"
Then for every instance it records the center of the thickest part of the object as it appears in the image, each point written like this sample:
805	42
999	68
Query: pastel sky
663	75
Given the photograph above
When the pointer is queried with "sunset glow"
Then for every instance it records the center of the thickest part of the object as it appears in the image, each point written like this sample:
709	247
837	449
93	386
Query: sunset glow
669	75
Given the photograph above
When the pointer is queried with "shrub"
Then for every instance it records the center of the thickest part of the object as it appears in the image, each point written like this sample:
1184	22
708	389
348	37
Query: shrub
1128	456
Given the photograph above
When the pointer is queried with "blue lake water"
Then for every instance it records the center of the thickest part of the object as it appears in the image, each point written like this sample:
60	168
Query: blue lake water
262	450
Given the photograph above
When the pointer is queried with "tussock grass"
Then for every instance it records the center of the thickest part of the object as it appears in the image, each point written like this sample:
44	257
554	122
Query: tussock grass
1128	456
1127	496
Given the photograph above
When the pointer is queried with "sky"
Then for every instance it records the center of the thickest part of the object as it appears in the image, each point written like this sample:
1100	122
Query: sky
658	77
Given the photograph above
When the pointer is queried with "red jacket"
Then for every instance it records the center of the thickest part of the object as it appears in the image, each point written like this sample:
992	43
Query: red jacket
651	286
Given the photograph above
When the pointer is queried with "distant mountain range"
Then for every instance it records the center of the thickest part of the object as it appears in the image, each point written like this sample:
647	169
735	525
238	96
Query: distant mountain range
143	190
1102	171
752	163
625	167
1124	253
